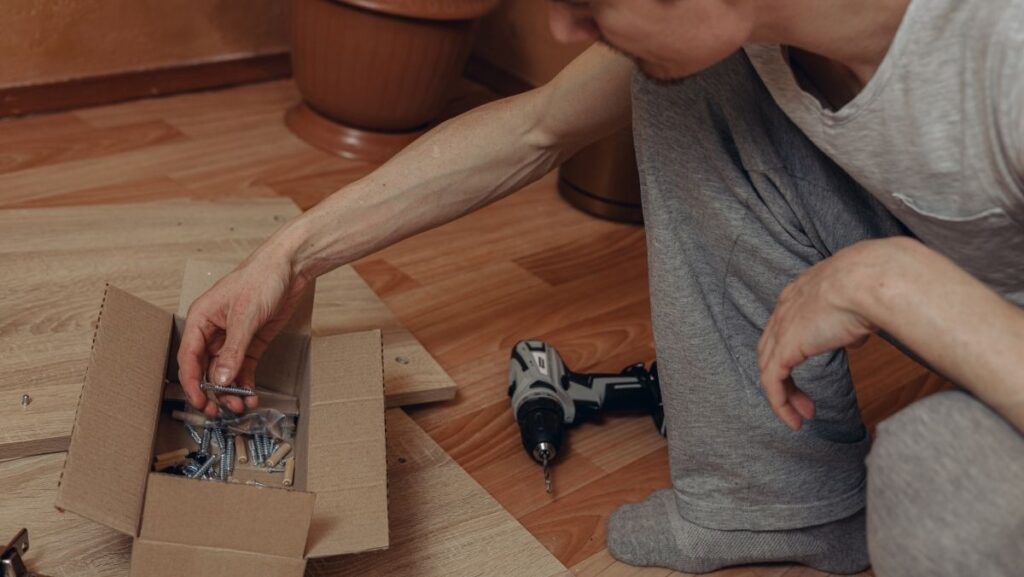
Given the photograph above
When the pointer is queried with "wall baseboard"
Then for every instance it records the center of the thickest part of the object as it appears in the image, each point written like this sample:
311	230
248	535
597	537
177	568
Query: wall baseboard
108	89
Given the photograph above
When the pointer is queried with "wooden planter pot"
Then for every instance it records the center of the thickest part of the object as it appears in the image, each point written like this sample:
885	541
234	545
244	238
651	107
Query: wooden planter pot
374	74
602	179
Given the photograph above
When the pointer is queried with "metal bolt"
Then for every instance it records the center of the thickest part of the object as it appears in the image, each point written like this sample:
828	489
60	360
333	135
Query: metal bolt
204	442
266	448
202	470
218	437
402	360
25	400
254	453
192	432
240	391
227	461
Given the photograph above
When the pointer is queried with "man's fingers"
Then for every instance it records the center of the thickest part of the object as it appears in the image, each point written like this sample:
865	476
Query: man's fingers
228	363
799	400
232	402
774	388
212	410
247	379
191	363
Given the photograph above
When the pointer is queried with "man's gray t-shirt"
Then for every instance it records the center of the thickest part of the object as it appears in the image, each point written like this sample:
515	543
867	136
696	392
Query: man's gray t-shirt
937	135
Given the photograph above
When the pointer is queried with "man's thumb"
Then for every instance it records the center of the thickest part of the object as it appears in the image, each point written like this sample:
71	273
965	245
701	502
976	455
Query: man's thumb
229	359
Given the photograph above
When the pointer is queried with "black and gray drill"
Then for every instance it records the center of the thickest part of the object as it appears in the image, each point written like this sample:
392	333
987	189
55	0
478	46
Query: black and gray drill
547	398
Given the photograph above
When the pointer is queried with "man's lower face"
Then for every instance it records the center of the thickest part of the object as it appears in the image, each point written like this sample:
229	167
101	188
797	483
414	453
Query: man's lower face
654	72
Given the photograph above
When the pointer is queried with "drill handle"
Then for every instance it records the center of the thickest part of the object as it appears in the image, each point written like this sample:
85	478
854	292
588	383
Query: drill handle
634	389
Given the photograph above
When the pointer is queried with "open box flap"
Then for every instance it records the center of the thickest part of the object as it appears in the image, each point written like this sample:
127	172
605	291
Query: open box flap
288	348
157	559
226	516
345	464
104	476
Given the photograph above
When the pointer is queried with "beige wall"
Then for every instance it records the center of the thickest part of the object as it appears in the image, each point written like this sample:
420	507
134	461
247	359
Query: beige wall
515	38
44	41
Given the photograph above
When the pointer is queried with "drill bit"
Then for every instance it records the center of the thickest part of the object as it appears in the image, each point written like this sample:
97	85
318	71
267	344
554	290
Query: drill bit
547	475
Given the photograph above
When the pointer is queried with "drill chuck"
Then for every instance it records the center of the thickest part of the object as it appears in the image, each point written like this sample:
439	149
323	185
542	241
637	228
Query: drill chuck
541	428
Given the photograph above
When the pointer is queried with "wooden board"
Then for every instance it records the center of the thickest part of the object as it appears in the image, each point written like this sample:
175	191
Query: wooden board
58	260
442	522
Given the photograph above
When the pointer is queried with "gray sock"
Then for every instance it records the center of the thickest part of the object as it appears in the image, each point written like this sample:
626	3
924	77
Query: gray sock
652	533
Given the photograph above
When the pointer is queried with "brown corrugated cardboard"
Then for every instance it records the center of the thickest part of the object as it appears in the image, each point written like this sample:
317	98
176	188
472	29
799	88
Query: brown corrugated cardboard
337	505
219	512
108	461
344	434
151	559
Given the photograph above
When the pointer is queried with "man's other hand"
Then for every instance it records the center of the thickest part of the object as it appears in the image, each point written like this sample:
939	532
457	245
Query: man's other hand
815	314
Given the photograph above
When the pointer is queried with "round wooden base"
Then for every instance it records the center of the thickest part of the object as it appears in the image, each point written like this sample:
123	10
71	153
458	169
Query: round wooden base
599	206
346	141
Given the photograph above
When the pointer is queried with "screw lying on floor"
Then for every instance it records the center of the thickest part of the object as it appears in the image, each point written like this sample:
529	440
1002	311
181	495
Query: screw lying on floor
25	400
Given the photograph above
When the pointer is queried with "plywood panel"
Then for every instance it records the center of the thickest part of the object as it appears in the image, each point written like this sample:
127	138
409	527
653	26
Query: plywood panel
443	524
64	257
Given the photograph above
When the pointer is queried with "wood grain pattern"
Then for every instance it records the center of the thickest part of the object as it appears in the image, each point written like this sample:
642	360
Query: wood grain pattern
528	266
442	522
64	258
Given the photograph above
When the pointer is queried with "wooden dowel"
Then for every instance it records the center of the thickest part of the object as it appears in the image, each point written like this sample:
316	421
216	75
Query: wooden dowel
240	449
169	455
289	472
193	418
161	465
282	451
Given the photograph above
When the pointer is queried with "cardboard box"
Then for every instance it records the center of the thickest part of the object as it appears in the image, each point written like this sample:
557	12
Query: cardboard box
183	526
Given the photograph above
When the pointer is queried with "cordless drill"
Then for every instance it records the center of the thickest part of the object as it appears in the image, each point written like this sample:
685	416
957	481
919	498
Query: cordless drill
547	398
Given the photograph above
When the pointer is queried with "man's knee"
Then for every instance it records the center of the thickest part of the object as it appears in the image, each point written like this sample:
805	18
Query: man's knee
941	499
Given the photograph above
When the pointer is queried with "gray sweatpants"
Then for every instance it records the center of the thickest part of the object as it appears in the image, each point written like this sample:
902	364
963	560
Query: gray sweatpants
738	202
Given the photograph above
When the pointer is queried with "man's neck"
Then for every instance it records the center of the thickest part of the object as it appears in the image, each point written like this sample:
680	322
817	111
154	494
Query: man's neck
854	34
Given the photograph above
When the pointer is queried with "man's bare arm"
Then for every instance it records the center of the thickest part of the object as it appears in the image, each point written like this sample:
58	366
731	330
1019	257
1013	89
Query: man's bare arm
954	322
950	319
463	164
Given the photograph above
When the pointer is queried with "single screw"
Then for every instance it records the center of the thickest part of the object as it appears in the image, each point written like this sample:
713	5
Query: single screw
204	467
221	390
218	437
227	461
267	448
192	432
25	400
402	360
204	442
254	455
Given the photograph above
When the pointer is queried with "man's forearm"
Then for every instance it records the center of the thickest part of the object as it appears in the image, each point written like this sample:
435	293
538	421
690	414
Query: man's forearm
461	165
953	321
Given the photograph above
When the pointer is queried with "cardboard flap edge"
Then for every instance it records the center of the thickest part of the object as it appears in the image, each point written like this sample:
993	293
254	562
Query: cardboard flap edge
116	413
328	539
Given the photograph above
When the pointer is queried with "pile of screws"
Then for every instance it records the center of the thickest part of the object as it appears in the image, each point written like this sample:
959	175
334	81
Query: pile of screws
218	450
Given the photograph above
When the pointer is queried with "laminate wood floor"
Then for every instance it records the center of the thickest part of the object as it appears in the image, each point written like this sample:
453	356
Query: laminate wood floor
529	266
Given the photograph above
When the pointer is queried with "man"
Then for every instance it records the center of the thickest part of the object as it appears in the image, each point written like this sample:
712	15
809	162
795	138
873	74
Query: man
813	172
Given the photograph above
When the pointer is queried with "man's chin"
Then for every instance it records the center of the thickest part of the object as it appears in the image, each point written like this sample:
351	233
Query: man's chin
660	74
